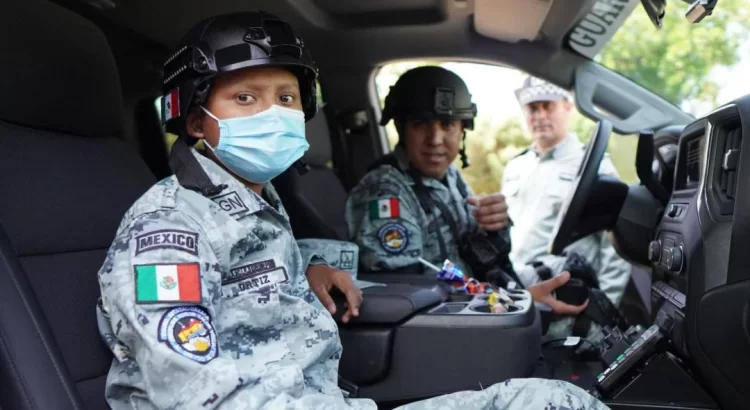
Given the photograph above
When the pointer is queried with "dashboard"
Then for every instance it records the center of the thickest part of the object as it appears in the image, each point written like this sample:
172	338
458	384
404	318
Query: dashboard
700	253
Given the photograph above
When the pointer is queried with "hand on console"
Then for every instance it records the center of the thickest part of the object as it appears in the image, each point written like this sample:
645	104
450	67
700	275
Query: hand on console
542	293
323	279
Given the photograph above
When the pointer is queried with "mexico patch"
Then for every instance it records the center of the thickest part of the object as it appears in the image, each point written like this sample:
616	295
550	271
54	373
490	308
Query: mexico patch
385	208
393	237
189	332
167	239
160	283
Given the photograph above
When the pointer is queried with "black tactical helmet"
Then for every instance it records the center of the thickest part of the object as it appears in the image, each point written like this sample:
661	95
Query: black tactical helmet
430	92
229	42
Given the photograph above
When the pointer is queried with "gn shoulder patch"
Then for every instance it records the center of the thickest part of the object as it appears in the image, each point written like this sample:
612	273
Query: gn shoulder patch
385	208
188	331
185	241
393	237
232	203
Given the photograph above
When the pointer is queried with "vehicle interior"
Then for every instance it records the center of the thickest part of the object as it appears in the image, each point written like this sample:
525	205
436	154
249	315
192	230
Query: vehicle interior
81	140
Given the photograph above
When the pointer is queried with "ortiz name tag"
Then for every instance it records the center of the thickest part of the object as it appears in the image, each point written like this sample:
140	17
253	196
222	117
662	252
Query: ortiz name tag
261	281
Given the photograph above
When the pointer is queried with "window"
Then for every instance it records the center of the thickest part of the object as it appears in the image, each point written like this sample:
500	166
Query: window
695	66
499	129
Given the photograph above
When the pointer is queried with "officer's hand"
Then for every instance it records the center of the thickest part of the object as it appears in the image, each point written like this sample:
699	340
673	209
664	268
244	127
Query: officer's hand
323	278
491	212
542	293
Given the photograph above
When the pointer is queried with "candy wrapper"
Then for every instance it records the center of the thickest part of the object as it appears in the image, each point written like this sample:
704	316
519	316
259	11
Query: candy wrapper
452	274
499	301
457	279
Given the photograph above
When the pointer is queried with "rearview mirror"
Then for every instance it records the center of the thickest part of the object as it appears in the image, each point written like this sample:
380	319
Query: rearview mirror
655	10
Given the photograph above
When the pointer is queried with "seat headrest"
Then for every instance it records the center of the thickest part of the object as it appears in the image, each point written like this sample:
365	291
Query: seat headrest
319	137
58	73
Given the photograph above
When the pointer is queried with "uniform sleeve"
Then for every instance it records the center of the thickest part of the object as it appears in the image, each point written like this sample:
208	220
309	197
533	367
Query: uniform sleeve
383	219
161	288
614	273
310	256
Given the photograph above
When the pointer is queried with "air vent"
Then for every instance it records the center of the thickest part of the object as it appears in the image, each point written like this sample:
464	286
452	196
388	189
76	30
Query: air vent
726	160
693	166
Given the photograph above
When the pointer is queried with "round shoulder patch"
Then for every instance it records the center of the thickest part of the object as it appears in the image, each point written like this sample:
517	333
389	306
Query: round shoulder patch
393	237
189	332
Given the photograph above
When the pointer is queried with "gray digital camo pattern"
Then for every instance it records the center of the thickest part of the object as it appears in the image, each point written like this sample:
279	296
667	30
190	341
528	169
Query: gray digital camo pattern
422	238
277	346
246	346
515	394
337	254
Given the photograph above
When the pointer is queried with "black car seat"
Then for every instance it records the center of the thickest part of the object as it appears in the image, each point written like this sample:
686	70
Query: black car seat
316	199
66	182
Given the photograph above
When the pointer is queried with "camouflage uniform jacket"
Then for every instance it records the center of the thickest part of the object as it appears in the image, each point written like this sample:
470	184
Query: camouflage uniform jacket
392	229
205	304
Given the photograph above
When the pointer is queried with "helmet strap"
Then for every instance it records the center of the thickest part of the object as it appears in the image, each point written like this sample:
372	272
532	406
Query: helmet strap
462	152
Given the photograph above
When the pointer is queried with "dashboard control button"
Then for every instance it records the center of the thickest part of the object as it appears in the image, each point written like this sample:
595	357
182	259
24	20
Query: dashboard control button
674	262
654	251
672	210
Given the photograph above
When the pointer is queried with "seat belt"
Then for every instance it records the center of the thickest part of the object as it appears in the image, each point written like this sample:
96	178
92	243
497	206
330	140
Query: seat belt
189	172
345	126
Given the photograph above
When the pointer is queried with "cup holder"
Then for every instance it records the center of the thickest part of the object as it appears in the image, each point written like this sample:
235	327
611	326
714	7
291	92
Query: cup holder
449	308
461	297
484	308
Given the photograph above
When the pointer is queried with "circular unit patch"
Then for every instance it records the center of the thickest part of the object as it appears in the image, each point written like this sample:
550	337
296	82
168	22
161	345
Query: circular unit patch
393	237
188	331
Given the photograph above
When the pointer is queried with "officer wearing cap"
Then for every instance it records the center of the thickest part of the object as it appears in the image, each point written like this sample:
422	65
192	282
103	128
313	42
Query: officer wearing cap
537	181
206	299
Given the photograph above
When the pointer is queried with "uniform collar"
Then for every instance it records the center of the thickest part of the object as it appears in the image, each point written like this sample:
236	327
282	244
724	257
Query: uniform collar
220	176
569	145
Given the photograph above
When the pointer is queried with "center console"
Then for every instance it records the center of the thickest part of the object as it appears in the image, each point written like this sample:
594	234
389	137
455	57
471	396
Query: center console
417	341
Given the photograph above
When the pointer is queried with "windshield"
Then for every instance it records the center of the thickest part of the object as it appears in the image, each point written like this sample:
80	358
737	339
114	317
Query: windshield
695	66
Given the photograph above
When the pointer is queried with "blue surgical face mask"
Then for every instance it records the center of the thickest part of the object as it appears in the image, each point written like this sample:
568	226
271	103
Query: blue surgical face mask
260	147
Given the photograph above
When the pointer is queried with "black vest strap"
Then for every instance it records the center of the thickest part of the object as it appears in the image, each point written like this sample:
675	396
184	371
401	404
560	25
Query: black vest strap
189	172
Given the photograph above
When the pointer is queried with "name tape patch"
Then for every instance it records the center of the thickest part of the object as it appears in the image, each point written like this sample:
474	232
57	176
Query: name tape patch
188	331
167	239
241	273
231	202
262	280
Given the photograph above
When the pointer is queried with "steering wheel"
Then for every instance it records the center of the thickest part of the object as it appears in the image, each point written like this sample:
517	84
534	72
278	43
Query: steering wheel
581	188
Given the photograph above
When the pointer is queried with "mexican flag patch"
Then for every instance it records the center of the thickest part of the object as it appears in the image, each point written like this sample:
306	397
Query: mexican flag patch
384	208
171	105
168	283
